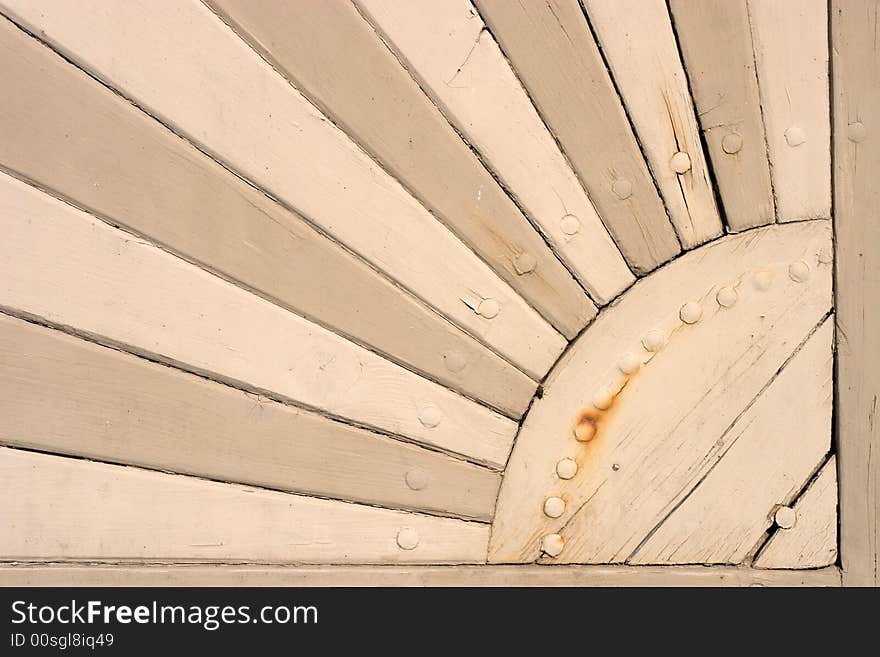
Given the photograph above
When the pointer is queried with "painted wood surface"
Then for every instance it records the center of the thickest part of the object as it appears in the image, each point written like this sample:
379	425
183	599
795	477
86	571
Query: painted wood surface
791	53
716	45
446	46
70	134
67	509
164	55
856	85
768	456
63	394
812	542
636	37
64	266
552	50
720	322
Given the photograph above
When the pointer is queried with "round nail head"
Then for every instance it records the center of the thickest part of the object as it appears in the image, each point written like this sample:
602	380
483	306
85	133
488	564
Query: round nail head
602	399
763	280
454	361
430	416
799	271
726	297
622	189
570	224
856	132
785	517
566	468
732	143
825	257
554	507
680	162
552	545
407	538
488	308
584	431
691	312
417	479
653	340
629	363
795	136
525	263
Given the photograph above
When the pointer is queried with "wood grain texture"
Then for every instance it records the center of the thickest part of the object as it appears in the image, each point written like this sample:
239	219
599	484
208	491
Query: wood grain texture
62	509
552	50
446	46
72	135
62	265
164	56
63	394
769	455
856	69
636	37
659	433
791	53
716	44
812	542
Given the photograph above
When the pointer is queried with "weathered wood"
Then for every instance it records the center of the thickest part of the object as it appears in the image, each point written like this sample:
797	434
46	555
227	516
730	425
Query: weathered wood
60	264
812	542
636	37
551	48
791	53
768	455
856	69
716	43
164	55
61	509
447	47
72	135
63	394
658	435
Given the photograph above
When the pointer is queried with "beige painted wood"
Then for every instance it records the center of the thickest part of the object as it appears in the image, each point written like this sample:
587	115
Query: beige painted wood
63	394
446	46
636	37
66	509
552	50
335	57
238	575
70	134
856	86
791	53
716	45
659	434
812	542
768	456
64	266
165	55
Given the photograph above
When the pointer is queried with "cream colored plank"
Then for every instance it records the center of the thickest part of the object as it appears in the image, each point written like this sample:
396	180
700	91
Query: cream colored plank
165	54
659	432
791	52
63	394
552	50
61	264
716	43
65	509
856	199
768	456
636	37
812	542
446	45
355	80
69	133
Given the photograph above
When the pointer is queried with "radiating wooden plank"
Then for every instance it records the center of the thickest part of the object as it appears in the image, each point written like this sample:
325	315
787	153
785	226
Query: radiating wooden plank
446	45
551	48
716	43
63	394
791	53
856	68
66	509
165	55
657	436
636	37
769	454
812	542
69	133
60	264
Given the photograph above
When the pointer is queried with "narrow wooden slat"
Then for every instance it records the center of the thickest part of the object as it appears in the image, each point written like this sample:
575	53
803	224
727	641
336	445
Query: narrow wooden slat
770	453
658	433
165	56
60	264
551	48
63	394
856	69
70	134
716	43
636	37
65	509
445	44
791	52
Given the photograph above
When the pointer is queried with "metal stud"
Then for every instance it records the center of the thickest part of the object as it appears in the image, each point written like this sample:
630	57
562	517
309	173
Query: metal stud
488	308
856	132
732	143
763	279
622	188
454	361
691	312
795	136
680	162
799	271
554	507
584	431
566	468
785	517
525	263
726	297
417	479
603	398
407	538
653	340
570	224
430	416
629	363
552	545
